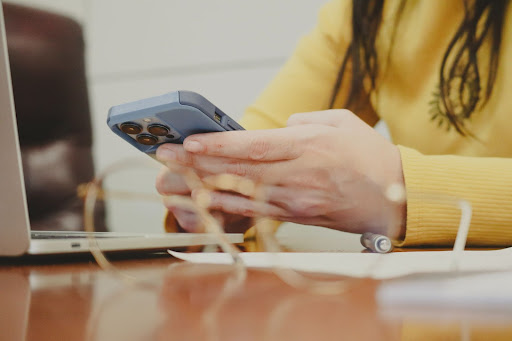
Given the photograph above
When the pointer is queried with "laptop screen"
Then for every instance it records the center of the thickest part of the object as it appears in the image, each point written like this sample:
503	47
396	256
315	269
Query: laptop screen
14	225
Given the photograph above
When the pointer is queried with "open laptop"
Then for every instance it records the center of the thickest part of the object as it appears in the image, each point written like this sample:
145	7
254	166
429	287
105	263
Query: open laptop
15	235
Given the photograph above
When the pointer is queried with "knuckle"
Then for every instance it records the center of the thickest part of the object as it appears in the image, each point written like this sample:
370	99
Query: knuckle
229	204
245	170
189	160
161	182
167	183
246	212
317	179
238	168
258	149
295	147
295	119
193	161
320	179
344	114
184	158
215	147
306	206
337	117
243	208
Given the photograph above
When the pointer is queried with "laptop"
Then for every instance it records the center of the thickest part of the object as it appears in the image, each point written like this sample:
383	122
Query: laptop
16	238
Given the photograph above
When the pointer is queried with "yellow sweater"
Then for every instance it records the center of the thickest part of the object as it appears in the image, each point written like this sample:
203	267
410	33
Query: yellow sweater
435	161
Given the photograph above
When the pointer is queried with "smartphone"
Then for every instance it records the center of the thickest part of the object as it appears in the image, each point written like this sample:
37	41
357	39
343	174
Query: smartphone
169	118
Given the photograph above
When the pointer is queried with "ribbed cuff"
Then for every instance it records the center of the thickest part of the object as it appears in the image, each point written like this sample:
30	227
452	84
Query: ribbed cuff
434	184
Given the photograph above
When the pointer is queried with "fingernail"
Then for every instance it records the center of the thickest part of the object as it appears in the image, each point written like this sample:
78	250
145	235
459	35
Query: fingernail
165	154
190	226
193	146
189	222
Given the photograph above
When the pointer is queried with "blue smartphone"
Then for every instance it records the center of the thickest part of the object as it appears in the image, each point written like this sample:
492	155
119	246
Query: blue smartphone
169	118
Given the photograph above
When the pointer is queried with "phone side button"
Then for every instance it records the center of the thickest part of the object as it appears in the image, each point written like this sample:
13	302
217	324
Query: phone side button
229	125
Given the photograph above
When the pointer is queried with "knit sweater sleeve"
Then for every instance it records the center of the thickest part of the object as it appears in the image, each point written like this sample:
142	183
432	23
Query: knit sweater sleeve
434	183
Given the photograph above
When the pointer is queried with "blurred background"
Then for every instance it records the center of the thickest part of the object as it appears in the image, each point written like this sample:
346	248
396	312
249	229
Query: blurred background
227	50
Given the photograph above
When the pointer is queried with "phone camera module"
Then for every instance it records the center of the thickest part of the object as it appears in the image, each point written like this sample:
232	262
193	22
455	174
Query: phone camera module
131	128
158	129
147	139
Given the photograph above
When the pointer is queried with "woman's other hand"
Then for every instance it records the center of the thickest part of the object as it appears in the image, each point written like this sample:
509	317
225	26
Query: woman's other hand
173	183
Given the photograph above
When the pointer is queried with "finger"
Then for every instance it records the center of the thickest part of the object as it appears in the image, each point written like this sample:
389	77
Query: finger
170	152
301	202
256	145
213	165
333	118
175	155
187	219
236	204
190	221
295	203
168	182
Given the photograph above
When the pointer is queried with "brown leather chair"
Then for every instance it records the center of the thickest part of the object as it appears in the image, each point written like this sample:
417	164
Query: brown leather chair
46	53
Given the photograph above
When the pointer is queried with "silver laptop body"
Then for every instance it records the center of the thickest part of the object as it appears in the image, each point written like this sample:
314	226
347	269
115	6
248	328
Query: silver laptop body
15	237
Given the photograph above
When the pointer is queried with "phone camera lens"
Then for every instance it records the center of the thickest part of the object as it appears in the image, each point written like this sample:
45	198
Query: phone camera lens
131	128
147	139
158	129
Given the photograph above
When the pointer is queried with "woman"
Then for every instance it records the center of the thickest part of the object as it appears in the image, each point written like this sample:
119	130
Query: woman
437	72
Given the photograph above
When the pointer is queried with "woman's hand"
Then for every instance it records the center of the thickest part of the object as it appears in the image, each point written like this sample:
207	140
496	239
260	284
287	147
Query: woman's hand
326	168
172	183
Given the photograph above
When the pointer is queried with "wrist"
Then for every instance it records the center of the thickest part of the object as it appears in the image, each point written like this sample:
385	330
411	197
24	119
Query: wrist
399	198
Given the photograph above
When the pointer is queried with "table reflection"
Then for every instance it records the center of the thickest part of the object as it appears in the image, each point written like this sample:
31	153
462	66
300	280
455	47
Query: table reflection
206	302
262	307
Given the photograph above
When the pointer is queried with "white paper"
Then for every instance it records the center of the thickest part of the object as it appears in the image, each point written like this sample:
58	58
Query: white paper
378	266
453	290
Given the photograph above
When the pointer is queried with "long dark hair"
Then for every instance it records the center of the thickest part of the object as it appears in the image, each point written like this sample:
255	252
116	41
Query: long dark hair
459	78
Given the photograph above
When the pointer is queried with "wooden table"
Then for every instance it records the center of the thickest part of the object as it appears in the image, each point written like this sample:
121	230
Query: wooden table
179	301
